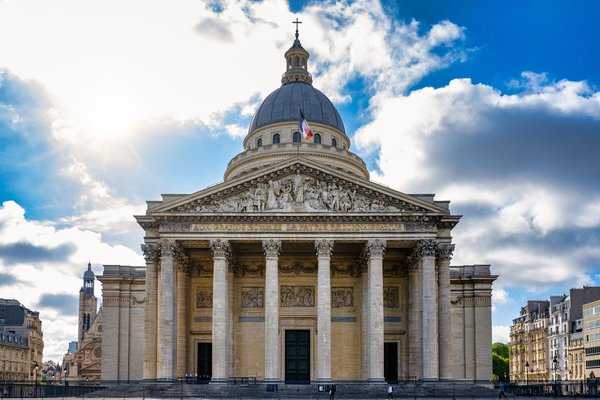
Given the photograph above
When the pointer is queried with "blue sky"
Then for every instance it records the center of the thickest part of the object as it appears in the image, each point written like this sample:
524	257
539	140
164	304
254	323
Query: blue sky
493	105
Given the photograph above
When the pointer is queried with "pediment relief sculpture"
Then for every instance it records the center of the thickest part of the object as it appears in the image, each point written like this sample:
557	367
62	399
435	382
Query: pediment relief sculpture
298	192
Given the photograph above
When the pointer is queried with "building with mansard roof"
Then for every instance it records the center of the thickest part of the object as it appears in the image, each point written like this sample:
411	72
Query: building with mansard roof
297	268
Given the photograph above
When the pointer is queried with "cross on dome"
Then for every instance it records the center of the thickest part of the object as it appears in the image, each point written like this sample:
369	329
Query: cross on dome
297	22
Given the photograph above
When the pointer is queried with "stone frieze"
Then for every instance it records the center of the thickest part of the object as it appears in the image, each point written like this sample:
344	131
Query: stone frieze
391	299
297	189
297	296
204	298
253	297
342	297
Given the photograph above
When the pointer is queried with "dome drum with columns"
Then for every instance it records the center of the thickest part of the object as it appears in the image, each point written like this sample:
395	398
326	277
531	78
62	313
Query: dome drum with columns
297	268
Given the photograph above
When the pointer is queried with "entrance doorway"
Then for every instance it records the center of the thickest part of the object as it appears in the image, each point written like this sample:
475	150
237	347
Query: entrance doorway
390	362
297	356
204	362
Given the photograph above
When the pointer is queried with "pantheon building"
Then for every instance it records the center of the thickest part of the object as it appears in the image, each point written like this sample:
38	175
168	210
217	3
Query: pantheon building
297	268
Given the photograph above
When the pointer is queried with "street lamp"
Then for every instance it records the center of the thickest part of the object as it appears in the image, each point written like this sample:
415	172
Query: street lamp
36	375
555	362
526	373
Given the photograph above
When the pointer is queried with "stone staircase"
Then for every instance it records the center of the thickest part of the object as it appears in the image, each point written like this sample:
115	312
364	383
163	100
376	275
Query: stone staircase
345	390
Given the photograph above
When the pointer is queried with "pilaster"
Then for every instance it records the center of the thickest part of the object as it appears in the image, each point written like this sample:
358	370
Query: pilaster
444	255
324	249
183	269
271	249
414	318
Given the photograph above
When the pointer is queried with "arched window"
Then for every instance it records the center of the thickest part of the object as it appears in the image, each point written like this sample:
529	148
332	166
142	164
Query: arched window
296	137
333	142
296	61
303	65
259	142
317	138
276	138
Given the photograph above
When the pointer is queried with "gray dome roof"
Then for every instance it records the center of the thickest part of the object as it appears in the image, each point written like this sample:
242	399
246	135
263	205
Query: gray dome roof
282	105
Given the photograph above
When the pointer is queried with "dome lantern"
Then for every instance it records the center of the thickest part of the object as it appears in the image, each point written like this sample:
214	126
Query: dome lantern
296	60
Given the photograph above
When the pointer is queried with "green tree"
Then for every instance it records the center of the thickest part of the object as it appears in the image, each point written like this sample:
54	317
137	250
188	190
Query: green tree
500	353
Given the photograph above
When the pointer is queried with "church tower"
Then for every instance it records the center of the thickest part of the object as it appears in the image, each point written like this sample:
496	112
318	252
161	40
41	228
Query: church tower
87	303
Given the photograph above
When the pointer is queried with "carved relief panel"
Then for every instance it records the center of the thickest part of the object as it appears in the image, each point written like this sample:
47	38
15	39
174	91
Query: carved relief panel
391	298
204	298
342	297
297	296
253	297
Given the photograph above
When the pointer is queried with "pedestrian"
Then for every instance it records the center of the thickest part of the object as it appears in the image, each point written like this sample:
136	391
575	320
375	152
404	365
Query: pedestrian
390	391
332	392
502	391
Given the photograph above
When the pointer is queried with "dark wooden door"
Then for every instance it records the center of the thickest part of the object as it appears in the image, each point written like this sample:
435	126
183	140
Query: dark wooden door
297	356
390	362
204	361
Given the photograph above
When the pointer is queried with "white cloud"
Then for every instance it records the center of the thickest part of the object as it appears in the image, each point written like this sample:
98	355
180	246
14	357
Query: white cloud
518	166
500	333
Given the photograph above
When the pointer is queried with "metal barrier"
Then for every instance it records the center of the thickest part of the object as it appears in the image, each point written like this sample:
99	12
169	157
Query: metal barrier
583	388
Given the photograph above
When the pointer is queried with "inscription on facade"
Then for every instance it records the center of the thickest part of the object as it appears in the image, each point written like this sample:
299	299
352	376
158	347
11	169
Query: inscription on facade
390	297
313	227
297	296
204	298
253	297
342	297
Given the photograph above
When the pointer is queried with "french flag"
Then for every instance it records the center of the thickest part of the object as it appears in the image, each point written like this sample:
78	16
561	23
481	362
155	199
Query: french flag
303	126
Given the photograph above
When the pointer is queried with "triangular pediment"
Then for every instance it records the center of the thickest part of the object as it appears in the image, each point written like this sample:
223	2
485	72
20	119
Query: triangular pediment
298	185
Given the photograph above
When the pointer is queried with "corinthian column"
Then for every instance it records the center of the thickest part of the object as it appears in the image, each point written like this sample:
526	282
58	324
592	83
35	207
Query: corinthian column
152	256
375	250
183	268
166	312
426	252
414	318
444	253
324	249
271	248
221	250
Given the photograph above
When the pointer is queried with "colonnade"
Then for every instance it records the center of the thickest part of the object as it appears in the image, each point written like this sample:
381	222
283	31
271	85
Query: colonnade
429	322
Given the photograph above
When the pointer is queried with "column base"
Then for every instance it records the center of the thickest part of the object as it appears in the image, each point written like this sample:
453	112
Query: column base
323	380
425	380
376	380
218	381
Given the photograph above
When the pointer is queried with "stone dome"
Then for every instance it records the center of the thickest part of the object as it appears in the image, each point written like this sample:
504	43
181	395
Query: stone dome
283	105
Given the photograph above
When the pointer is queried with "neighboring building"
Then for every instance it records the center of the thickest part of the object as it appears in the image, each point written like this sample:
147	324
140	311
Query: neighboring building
558	337
576	363
14	357
528	343
72	347
16	318
550	331
297	268
88	304
82	362
591	339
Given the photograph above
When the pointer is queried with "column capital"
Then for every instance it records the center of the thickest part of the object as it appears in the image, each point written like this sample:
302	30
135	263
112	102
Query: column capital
444	251
168	248
324	247
375	247
220	248
271	247
151	252
426	248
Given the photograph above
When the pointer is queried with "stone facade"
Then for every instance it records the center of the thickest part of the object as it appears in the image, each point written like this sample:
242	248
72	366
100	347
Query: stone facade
298	268
124	298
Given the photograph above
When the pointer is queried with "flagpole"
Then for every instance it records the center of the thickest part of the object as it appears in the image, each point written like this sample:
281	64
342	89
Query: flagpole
299	133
